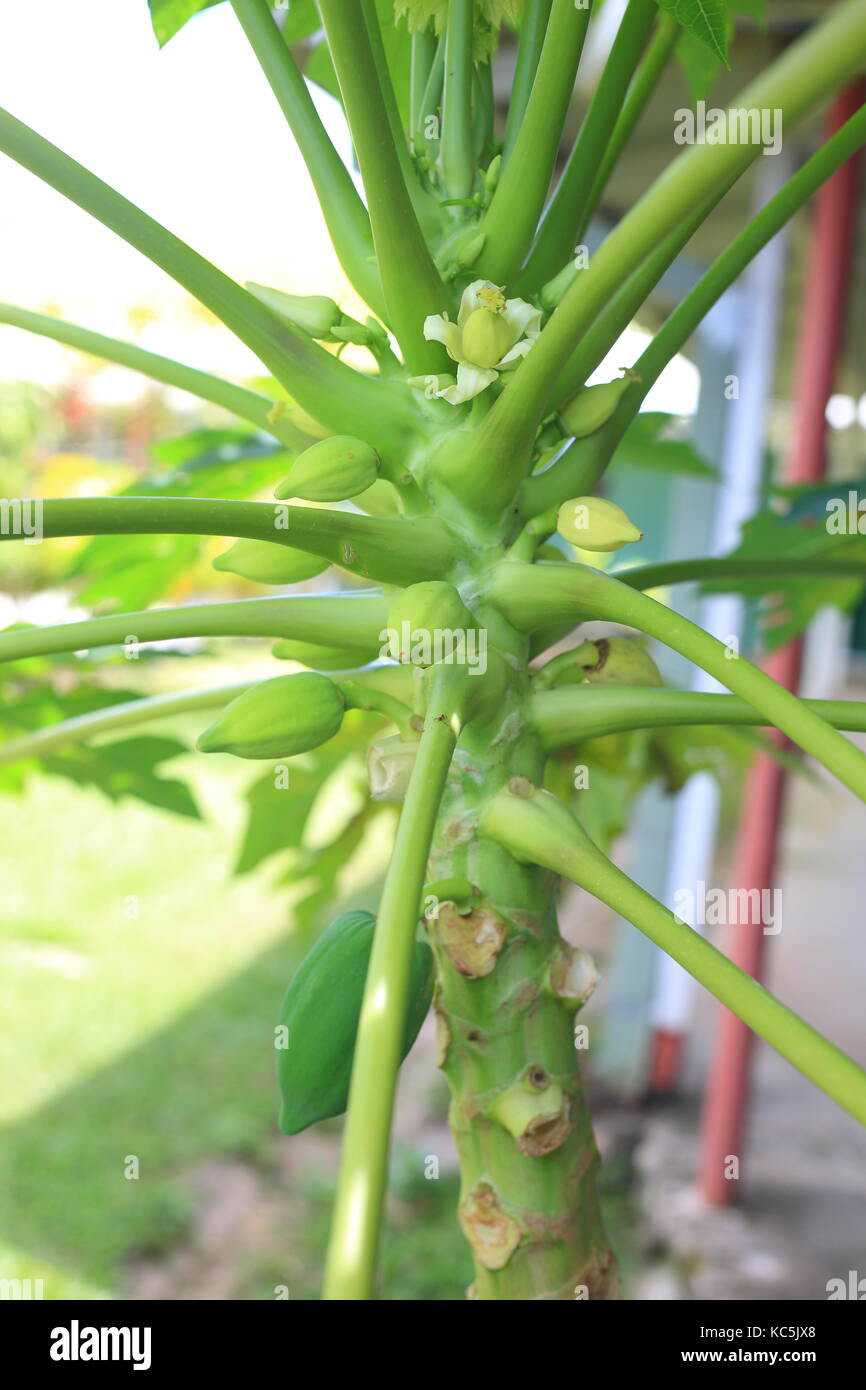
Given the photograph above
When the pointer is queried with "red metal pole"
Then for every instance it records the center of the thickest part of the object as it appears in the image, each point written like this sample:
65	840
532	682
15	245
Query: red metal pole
821	324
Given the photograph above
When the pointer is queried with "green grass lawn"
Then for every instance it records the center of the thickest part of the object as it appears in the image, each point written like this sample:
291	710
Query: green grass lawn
140	985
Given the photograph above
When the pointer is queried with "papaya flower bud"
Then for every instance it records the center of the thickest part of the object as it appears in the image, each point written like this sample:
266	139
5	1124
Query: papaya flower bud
332	470
265	562
280	717
594	523
315	314
491	175
593	406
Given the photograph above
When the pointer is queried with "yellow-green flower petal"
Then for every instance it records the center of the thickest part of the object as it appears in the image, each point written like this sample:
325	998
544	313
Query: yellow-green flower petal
471	381
439	329
522	318
515	354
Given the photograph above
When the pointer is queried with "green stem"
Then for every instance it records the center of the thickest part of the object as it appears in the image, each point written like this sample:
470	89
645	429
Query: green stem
426	207
386	548
410	281
85	727
539	829
431	103
325	619
246	405
659	50
533	26
512	217
741	567
579	469
691	312
359	696
616	316
483	110
357	1219
571	713
572	205
813	67
532	596
456	149
424	48
343	399
344	213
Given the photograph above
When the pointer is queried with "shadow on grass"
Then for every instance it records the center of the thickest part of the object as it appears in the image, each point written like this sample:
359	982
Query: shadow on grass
203	1086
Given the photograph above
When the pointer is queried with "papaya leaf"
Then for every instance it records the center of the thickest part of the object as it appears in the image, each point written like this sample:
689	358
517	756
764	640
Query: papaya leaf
301	20
169	16
651	442
811	527
127	768
318	875
131	572
700	63
599	780
706	20
282	801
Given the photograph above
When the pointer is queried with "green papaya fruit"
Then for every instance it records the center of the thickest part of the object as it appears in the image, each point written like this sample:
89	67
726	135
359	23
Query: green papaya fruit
486	337
593	406
280	717
322	658
320	1012
332	470
265	562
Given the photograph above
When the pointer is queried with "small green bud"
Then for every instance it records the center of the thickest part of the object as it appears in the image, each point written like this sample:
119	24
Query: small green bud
593	406
491	175
315	314
535	1110
486	337
331	471
593	523
321	658
468	253
421	611
280	717
265	562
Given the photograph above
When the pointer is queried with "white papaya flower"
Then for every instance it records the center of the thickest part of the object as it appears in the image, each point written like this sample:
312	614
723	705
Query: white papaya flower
491	335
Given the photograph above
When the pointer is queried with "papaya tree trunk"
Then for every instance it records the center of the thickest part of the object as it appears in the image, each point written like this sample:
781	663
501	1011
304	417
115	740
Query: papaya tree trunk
508	988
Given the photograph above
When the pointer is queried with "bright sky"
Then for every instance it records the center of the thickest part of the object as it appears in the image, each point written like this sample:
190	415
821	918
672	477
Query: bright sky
192	135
